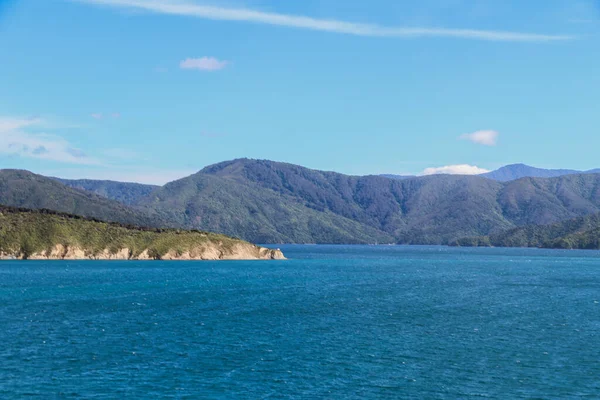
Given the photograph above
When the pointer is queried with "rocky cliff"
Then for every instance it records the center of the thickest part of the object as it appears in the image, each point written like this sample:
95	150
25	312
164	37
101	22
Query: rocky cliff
206	252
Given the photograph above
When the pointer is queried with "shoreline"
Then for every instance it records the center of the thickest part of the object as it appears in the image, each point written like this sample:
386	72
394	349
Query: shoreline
242	251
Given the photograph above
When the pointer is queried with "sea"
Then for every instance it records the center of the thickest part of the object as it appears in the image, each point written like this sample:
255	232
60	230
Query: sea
332	322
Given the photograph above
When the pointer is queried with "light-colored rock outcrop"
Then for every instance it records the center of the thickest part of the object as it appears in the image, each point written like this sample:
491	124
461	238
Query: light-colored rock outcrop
208	251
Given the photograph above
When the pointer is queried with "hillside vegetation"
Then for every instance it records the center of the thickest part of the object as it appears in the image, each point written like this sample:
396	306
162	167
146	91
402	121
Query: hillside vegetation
20	188
44	234
267	201
577	233
270	202
124	192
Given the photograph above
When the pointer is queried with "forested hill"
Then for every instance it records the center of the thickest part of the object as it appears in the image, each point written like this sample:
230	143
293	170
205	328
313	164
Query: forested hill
271	202
124	192
19	188
268	201
577	233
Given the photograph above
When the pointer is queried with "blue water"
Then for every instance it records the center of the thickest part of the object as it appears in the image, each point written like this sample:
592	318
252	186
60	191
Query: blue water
338	322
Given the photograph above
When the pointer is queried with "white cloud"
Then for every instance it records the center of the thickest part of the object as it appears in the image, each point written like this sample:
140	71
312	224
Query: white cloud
22	137
203	64
10	124
17	139
485	137
326	25
97	115
460	169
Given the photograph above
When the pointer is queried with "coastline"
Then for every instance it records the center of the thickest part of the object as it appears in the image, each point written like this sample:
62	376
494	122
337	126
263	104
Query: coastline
210	252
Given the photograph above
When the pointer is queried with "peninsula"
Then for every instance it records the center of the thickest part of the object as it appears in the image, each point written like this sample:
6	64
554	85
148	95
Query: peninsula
49	235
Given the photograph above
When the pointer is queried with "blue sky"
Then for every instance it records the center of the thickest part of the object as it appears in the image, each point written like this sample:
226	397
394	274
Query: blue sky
154	90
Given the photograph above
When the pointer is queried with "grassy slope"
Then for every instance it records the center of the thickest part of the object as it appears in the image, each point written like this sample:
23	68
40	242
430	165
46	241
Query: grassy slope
29	232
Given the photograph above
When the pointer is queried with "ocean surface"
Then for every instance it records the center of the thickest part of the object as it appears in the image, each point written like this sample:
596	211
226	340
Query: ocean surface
333	322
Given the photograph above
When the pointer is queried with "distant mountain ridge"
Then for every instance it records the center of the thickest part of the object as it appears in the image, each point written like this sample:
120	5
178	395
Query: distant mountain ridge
515	171
265	201
518	171
19	188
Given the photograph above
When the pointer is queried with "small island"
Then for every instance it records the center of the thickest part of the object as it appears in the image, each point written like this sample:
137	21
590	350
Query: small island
48	235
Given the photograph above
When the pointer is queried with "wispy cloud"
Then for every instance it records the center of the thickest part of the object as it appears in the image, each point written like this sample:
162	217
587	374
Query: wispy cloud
460	169
97	115
8	124
325	25
485	137
17	138
203	64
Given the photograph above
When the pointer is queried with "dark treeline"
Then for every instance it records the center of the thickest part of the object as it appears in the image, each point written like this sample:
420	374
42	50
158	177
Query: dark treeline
44	211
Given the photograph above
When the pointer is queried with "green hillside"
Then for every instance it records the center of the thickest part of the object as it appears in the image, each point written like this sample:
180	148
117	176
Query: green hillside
267	201
577	233
127	193
20	188
262	216
270	202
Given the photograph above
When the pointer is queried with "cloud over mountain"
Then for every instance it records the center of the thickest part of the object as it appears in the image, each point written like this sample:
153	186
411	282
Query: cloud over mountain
460	169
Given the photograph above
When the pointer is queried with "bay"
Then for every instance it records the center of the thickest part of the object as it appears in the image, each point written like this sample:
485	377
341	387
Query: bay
330	322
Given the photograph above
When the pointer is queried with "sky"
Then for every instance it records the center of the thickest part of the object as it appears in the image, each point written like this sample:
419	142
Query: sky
151	91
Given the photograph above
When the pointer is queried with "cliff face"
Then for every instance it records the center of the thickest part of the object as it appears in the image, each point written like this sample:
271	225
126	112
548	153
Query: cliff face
37	235
243	251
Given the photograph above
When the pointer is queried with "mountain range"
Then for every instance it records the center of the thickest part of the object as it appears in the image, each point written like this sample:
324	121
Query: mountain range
271	202
516	171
